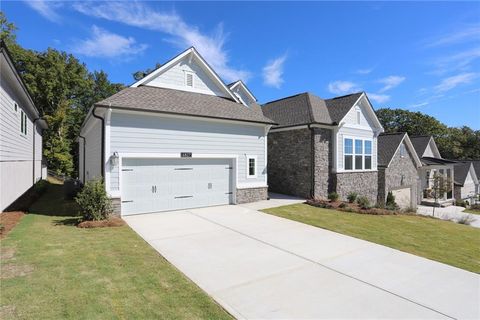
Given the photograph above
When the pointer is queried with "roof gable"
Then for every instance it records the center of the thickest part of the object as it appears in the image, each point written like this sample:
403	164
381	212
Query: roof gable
344	106
172	75
462	170
241	91
425	146
388	146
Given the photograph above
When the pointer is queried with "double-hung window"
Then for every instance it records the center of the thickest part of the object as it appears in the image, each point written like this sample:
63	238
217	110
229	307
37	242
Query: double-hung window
23	123
357	154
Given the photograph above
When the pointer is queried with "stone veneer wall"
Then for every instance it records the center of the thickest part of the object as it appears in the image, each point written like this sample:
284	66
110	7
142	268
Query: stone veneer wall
402	173
116	203
323	162
289	162
457	192
251	195
363	183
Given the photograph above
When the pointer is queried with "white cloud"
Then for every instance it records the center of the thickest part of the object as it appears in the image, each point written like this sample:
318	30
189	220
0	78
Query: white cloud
418	105
380	98
391	82
470	33
47	9
454	81
456	62
273	72
343	87
211	47
109	45
364	71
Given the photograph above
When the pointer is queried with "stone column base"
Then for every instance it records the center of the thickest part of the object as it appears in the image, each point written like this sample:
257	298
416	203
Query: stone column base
251	195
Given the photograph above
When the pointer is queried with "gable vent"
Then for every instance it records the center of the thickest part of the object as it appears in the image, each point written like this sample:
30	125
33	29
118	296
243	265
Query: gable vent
189	79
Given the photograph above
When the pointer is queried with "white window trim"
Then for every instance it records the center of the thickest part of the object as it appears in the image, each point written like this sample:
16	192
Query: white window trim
24	120
404	147
193	79
249	176
15	107
353	154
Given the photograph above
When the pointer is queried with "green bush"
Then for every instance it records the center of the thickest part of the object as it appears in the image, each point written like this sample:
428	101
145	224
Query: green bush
40	187
333	196
363	202
461	203
94	202
352	196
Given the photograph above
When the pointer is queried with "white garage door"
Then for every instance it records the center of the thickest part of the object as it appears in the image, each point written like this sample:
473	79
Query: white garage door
402	197
151	185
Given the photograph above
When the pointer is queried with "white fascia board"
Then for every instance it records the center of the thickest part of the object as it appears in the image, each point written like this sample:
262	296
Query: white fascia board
181	116
433	144
473	174
369	110
409	144
182	55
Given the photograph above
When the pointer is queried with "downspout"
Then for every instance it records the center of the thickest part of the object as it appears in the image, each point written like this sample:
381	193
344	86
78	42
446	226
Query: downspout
103	140
80	136
312	162
34	134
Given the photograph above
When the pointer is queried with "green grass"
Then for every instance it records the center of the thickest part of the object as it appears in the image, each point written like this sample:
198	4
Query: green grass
474	211
104	273
447	242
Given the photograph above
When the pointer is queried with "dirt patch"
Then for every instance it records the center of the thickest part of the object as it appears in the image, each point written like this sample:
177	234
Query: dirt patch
7	312
13	270
6	253
112	222
8	220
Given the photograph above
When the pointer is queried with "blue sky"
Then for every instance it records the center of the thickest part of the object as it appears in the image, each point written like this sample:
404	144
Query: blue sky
420	56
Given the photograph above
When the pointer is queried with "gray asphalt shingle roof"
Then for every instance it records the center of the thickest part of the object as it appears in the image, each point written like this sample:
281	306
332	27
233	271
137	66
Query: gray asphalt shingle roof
460	172
171	101
420	143
307	108
387	144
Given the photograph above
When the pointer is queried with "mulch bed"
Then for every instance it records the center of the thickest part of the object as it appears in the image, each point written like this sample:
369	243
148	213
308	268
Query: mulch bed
8	220
112	222
351	207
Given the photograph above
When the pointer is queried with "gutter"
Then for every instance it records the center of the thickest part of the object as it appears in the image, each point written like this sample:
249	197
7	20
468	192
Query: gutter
33	155
102	170
84	149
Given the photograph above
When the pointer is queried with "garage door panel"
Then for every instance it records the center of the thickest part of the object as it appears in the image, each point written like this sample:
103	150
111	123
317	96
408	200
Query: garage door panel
177	184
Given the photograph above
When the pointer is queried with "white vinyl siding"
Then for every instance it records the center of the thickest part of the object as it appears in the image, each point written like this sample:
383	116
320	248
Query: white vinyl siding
468	188
154	134
242	95
176	78
93	151
16	147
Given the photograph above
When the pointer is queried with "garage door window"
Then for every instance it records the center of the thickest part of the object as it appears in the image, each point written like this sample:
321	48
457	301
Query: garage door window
252	167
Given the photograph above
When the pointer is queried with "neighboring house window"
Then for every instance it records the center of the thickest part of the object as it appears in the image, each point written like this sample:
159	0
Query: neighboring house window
23	123
348	154
357	154
189	79
368	155
252	167
403	151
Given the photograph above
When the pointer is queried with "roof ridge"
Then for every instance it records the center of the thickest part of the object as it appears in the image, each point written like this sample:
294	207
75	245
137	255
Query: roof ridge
346	95
285	98
310	111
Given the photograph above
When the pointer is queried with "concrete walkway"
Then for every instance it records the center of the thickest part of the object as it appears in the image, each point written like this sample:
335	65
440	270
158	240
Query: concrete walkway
450	213
259	266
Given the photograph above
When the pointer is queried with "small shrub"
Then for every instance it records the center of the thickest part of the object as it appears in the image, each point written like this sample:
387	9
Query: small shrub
475	207
466	219
461	203
333	196
342	205
94	202
352	196
40	187
363	202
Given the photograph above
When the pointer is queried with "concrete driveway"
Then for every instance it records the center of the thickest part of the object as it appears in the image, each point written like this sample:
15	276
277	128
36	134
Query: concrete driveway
259	266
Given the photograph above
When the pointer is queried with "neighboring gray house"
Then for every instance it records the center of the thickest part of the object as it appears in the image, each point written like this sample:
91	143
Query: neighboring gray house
20	134
178	138
466	181
398	165
432	164
320	146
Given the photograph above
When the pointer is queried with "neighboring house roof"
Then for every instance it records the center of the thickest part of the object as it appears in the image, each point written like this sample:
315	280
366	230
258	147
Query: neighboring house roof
461	170
420	143
434	161
307	108
240	83
172	101
7	64
476	166
389	143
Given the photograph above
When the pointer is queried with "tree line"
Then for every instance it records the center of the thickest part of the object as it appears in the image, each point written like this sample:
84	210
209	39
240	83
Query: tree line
63	90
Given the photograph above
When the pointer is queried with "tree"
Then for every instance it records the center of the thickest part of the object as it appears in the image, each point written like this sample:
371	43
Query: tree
441	185
138	75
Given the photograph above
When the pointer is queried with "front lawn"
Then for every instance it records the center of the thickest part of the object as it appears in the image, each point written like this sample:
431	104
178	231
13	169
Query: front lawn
447	242
51	269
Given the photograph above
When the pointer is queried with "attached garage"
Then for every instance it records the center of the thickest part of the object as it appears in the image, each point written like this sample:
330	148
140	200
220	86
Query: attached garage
152	185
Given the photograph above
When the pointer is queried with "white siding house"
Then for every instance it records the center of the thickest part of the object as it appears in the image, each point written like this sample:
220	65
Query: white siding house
179	138
20	135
